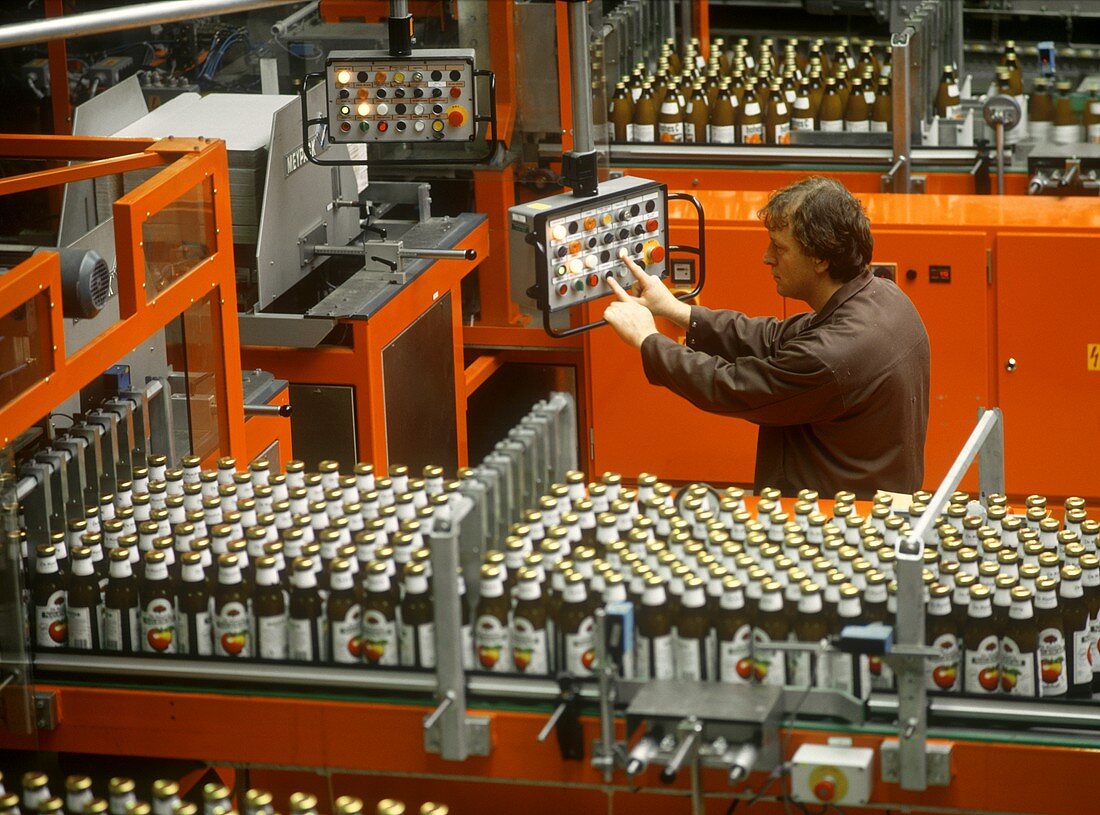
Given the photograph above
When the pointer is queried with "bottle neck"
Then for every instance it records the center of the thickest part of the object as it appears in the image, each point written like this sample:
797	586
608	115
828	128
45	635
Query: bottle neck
940	606
303	579
694	597
156	571
980	609
492	588
848	608
414	584
528	590
82	567
342	580
1070	589
810	603
267	576
192	573
229	575
1021	610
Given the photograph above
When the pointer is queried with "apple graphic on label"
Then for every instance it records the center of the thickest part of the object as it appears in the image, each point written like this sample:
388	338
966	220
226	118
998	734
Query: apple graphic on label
355	647
988	678
522	658
488	656
944	676
588	659
1051	669
58	630
1008	681
159	638
233	644
874	663
744	668
373	650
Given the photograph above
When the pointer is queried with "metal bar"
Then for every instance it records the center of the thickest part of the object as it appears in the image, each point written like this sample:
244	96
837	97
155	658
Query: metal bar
790	154
79	172
999	132
1046	713
123	18
283	26
479	371
32	145
449	675
580	77
991	460
399	8
901	91
268	410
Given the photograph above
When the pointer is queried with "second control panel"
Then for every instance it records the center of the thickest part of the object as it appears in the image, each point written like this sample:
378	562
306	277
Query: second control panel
578	240
374	97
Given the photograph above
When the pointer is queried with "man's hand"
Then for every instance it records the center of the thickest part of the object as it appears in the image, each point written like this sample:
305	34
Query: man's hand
655	296
631	320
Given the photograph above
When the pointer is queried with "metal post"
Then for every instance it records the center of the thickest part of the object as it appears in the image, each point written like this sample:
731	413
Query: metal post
685	21
580	77
999	132
902	102
450	678
282	27
957	35
991	458
605	751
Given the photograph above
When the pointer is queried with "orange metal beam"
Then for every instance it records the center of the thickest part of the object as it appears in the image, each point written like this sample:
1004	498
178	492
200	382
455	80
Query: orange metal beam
502	49
33	145
478	371
78	172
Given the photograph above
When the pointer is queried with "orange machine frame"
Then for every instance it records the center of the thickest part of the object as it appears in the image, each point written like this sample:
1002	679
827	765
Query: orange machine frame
186	163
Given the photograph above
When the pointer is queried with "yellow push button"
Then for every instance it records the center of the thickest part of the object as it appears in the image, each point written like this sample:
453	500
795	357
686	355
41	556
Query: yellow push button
437	126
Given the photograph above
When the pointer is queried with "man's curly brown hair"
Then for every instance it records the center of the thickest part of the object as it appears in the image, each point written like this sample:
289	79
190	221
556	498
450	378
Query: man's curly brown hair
826	220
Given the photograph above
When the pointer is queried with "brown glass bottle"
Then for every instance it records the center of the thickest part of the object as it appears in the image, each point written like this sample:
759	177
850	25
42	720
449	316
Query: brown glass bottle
417	637
620	115
232	626
811	625
802	114
82	605
697	116
943	673
981	674
576	627
49	600
529	634
344	614
492	644
158	617
670	119
1040	111
830	115
194	626
121	625
307	636
882	111
1076	626
734	634
645	117
857	112
692	633
1054	675
777	118
78	794
269	610
654	649
750	119
722	127
948	103
1020	647
380	637
770	625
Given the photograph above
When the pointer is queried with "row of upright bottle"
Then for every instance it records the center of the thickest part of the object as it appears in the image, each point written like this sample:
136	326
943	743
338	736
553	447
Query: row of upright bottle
166	798
733	98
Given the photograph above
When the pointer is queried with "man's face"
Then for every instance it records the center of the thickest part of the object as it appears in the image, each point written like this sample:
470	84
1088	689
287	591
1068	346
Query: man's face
795	272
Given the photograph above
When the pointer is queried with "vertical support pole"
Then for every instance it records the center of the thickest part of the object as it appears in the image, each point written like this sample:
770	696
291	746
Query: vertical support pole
565	89
902	102
59	77
991	458
912	713
701	18
450	678
580	78
957	35
685	21
494	193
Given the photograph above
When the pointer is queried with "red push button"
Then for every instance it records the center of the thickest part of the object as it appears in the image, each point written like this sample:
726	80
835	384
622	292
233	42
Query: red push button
563	289
383	127
655	253
593	280
825	789
651	225
456	92
456	118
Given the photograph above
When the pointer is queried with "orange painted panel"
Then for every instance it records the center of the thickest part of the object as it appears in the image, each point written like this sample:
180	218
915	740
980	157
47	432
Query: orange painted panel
1048	289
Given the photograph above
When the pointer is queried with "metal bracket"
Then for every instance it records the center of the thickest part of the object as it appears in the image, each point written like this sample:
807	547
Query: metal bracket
478	737
307	243
938	754
47	712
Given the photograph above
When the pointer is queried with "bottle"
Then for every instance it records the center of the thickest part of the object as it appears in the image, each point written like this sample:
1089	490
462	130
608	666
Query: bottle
983	653
1020	648
750	121
417	638
850	672
696	116
121	625
771	625
577	628
654	648
380	639
1054	676
491	635
529	635
809	669
269	611
1092	117
943	673
344	614
722	128
670	120
802	117
620	115
1040	111
777	120
232	624
948	103
882	111
692	633
158	616
261	802
1077	628
857	113
1090	583
734	634
120	794
306	623
645	117
36	786
830	116
216	798
83	602
49	600
166	796
194	626
78	793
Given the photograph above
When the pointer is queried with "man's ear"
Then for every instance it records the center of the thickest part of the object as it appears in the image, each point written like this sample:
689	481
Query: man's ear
821	266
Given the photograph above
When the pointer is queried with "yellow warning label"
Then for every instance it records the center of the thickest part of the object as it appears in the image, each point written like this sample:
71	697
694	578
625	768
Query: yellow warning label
1093	363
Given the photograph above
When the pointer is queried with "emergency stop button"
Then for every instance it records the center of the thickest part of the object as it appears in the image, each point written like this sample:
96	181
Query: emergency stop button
825	789
456	116
653	252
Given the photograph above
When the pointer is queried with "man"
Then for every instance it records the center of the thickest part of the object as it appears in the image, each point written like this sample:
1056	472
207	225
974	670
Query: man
840	393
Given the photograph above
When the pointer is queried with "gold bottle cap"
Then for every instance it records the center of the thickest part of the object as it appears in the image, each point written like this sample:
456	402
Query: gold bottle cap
119	785
390	806
348	805
78	783
303	802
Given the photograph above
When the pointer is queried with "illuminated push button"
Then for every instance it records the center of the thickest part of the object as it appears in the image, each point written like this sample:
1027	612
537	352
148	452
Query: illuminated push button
456	92
362	76
574	247
593	281
563	289
399	77
437	126
383	127
345	126
418	110
344	110
559	232
606	219
576	265
825	789
590	222
380	76
651	225
343	77
579	285
382	109
591	261
418	127
363	109
362	94
560	271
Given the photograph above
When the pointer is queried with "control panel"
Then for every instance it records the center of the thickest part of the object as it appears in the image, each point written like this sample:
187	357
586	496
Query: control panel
832	774
428	97
578	240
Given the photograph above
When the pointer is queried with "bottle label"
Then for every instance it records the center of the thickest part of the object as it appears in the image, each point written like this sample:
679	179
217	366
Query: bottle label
842	674
379	639
231	631
1093	135
722	134
735	657
671	132
689	133
800	669
158	627
1052	662
1094	644
530	652
611	131
831	126
347	640
491	641
630	132
121	629
271	639
1082	667
50	625
1040	131
952	111
467	647
857	126
643	133
802	123
655	658
879	127
942	672
418	645
981	674
691	659
306	639
782	133
194	633
769	667
579	650
1067	134
752	133
751	109
1018	670
83	628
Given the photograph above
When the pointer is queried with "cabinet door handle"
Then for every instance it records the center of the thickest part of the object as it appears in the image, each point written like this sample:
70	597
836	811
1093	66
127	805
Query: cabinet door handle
1010	364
